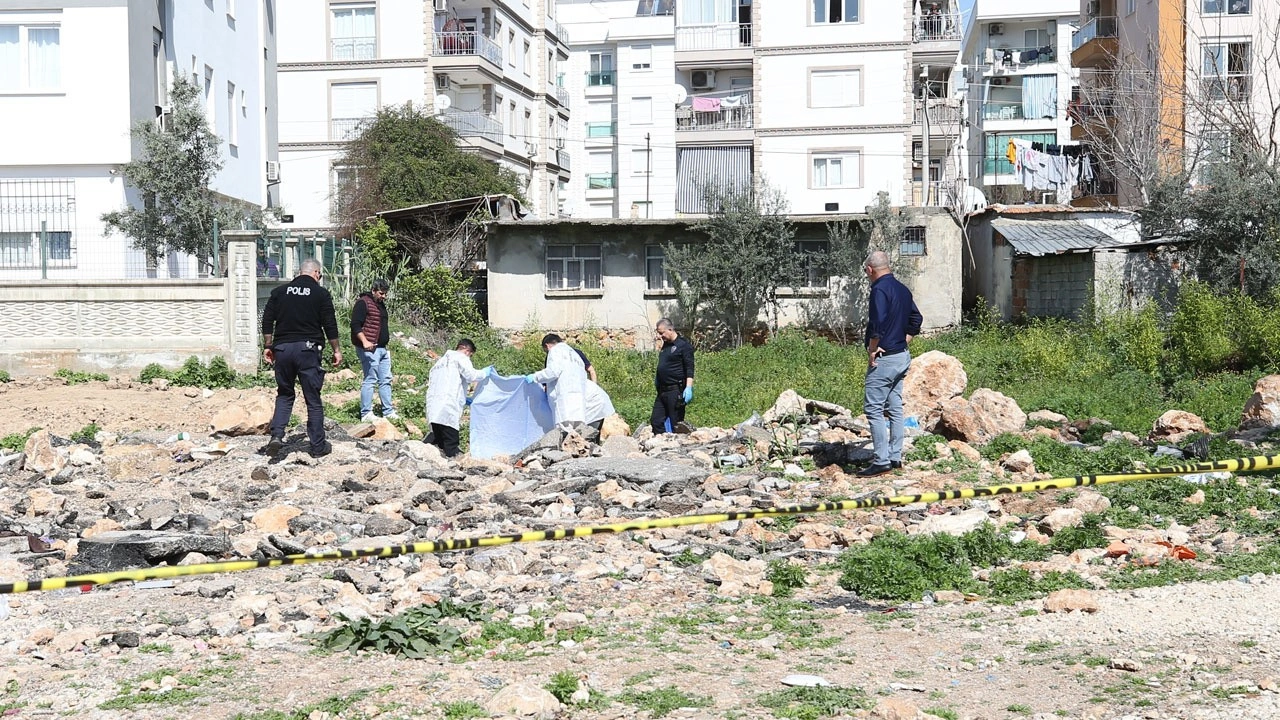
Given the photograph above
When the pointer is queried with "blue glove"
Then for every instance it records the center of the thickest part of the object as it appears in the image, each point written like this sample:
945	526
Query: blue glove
529	378
487	372
469	399
688	395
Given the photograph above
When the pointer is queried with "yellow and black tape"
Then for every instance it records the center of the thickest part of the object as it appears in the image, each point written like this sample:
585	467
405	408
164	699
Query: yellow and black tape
1238	465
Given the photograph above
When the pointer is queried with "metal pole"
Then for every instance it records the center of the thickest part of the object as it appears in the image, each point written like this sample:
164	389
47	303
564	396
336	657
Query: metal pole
648	173
44	249
217	261
924	113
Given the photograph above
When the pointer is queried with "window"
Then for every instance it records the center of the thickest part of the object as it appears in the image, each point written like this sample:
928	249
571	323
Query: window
511	48
233	125
158	75
706	12
641	57
511	118
1038	38
996	162
22	249
210	105
353	34
640	162
834	11
813	263
642	111
231	9
1226	72
30	58
524	61
912	244
1230	7
1215	146
835	88
600	170
655	271
654	7
526	130
349	103
601	72
573	267
1130	6
837	170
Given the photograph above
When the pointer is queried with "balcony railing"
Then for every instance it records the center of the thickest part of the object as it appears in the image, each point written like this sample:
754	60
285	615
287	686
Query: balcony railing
1099	27
602	78
1016	56
344	128
562	95
716	111
601	129
1234	87
562	158
939	26
1089	108
353	48
468	43
723	36
561	32
602	181
935	193
473	124
1002	111
941	112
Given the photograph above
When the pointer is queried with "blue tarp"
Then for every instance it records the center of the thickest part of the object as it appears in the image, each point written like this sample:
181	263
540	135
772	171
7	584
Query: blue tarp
508	415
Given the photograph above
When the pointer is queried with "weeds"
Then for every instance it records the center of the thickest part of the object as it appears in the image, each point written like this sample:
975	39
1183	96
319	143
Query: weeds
17	441
75	377
786	577
660	702
812	703
463	710
331	706
414	633
86	434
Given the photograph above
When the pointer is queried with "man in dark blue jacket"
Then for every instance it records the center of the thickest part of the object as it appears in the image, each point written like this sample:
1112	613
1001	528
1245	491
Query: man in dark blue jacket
297	320
892	320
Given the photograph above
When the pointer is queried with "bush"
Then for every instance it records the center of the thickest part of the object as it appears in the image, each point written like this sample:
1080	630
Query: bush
437	299
415	633
5	377
17	441
1199	332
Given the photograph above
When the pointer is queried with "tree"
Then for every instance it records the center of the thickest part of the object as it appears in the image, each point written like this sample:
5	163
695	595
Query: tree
404	157
748	255
178	163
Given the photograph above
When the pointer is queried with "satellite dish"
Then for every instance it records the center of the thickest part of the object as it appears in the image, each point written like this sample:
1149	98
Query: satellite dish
443	102
679	94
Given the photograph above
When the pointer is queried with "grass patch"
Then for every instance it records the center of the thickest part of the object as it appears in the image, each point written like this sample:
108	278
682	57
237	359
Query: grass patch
331	706
945	713
660	702
786	577
86	434
812	703
17	441
156	648
463	710
75	377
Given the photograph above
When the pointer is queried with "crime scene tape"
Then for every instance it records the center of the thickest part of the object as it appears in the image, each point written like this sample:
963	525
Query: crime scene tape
1238	465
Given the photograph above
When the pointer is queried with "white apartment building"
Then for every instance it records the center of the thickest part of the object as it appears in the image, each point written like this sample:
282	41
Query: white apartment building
485	68
824	99
74	79
1018	60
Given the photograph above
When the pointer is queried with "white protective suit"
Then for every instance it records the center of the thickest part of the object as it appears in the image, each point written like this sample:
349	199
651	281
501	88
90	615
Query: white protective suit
599	406
447	388
566	379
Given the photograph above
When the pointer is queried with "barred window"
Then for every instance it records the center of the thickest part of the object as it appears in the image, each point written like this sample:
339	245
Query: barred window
912	241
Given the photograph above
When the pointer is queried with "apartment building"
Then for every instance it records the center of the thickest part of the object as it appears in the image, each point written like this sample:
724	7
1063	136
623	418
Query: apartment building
75	78
487	69
1017	57
823	99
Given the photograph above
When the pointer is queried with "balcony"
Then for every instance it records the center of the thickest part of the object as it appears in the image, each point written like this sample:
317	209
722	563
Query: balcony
1002	110
344	129
596	130
935	193
602	78
561	32
353	48
943	114
721	36
937	27
602	181
562	159
473	125
1099	192
716	111
1231	87
1091	116
1095	44
562	96
1015	57
466	44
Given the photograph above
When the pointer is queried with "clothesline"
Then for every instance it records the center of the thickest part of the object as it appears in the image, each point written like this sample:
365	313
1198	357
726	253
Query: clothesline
1048	166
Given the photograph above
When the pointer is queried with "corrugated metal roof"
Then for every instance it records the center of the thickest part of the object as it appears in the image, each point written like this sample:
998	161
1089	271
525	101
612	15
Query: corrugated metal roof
1051	237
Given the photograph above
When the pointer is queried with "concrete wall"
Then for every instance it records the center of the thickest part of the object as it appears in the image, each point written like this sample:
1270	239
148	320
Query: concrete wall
1129	279
518	297
126	325
1052	285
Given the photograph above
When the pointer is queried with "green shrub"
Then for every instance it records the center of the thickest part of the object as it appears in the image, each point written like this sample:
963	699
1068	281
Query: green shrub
415	633
786	577
563	685
5	377
17	441
1200	332
151	372
75	377
86	434
436	298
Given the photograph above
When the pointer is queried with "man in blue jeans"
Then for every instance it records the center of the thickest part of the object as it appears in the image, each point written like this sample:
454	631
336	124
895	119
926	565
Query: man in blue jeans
892	320
370	333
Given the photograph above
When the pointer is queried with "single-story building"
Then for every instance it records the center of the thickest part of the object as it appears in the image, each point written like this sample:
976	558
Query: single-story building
608	274
1051	260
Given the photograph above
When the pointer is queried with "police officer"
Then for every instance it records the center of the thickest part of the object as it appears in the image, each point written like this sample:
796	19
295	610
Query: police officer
674	379
297	319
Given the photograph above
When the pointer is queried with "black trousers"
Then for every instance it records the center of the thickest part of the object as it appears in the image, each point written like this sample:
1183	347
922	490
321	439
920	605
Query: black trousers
668	404
299	362
445	438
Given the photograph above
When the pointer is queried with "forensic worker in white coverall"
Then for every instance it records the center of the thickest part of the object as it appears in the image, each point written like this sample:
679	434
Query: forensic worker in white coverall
447	395
599	406
566	379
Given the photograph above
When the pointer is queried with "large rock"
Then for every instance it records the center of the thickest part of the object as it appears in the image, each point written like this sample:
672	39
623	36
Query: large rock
642	471
614	425
1263	408
43	501
997	413
1061	519
1070	600
1175	426
275	519
619	446
524	699
123	549
892	708
734	576
957	524
934	378
1020	461
957	421
250	417
789	403
41	455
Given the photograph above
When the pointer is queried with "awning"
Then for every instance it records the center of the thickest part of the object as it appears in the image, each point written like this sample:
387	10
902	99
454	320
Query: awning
698	168
1051	237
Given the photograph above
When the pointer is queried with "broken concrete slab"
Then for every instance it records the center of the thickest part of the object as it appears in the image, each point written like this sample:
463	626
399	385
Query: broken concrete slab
642	471
123	549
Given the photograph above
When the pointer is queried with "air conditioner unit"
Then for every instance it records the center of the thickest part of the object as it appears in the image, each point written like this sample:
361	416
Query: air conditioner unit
442	81
702	79
559	143
999	81
441	5
1091	9
995	29
273	171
